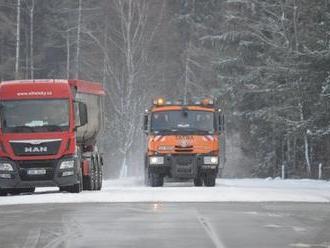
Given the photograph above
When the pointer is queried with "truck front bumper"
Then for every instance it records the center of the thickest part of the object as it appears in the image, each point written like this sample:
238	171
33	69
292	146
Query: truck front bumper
50	174
183	166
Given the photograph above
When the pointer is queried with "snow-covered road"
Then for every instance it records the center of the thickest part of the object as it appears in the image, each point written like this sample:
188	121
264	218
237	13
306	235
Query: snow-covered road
226	190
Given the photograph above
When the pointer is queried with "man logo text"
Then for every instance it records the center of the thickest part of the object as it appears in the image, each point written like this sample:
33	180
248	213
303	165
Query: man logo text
35	149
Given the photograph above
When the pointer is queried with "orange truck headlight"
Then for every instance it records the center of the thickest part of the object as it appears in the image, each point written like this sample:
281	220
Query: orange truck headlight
210	160
156	160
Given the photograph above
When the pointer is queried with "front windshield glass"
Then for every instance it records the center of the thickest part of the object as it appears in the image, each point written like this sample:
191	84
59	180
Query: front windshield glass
183	120
27	116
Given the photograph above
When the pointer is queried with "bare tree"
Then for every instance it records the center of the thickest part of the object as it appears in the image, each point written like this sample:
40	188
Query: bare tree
18	38
130	34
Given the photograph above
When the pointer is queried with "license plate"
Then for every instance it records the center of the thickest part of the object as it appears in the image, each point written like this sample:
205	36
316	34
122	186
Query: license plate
36	172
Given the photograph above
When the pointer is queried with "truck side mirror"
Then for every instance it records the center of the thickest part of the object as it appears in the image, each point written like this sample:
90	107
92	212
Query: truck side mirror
81	114
145	123
221	122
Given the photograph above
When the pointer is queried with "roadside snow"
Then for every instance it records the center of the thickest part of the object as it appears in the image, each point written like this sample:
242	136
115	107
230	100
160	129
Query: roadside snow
226	190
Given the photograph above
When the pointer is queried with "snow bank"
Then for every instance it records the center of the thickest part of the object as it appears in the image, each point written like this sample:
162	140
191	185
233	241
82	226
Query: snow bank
226	190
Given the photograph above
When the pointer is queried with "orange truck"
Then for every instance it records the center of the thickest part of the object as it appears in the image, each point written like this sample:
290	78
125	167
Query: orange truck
184	141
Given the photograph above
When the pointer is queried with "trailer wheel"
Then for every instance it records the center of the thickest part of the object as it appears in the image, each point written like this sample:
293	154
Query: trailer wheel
100	173
96	173
198	181
156	180
209	180
88	182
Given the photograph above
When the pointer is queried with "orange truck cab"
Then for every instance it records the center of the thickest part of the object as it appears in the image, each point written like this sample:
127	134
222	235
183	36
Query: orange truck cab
183	141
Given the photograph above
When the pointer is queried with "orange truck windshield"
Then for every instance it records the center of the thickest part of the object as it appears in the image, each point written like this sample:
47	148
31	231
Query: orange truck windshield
183	121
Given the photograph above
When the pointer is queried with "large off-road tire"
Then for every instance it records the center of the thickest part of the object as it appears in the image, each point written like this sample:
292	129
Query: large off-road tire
198	181
156	180
209	180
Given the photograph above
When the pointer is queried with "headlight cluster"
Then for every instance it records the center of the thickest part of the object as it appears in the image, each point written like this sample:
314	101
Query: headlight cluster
67	164
156	160
210	160
6	167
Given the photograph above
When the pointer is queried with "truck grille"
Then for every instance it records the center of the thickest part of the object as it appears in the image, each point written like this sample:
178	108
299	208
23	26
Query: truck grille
184	149
184	166
35	148
48	165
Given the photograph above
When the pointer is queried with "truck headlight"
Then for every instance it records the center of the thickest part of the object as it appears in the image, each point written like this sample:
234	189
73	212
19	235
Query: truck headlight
210	160
6	167
67	164
156	160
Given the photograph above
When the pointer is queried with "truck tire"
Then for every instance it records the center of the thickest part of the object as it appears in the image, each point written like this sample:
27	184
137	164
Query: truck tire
28	190
3	192
209	180
78	187
156	180
14	191
88	181
96	174
100	173
146	171
198	181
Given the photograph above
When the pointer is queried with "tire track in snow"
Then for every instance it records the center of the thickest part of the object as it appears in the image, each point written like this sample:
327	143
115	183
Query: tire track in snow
32	239
209	229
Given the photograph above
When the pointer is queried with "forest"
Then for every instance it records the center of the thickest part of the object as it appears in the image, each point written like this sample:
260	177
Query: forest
268	61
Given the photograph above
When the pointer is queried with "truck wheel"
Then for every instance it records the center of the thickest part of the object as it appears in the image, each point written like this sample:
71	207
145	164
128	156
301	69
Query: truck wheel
3	192
96	174
99	174
78	187
14	191
198	181
209	180
156	180
28	190
146	172
88	181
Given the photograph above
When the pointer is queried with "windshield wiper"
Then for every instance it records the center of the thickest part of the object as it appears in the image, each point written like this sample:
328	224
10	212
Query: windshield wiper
54	127
21	129
166	130
195	130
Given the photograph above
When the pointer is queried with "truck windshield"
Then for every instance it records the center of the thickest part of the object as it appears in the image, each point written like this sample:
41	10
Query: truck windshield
26	116
183	121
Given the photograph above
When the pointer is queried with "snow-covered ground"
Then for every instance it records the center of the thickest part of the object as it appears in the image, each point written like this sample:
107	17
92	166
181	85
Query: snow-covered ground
226	190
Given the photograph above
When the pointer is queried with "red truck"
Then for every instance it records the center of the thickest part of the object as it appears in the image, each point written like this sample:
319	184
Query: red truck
48	135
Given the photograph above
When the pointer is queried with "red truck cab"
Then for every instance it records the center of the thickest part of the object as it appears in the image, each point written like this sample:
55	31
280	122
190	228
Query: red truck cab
39	124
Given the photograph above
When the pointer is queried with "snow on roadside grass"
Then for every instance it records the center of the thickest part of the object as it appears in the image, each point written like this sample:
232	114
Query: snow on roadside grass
226	190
